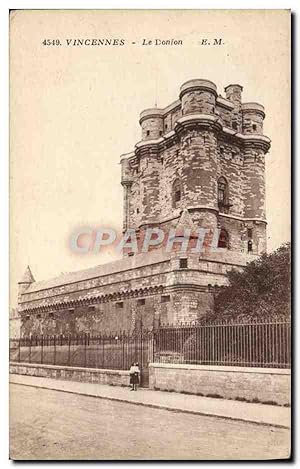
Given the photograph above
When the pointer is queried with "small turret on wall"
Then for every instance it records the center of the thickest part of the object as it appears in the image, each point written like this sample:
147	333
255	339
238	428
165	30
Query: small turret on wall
253	117
234	95
152	123
198	96
25	282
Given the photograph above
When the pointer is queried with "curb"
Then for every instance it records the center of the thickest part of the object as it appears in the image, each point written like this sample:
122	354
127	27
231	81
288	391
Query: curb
157	406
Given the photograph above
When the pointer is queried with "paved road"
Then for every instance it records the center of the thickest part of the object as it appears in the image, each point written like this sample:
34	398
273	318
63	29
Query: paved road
47	424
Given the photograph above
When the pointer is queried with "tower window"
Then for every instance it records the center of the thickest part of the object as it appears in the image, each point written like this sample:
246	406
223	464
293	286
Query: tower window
234	125
176	192
160	133
51	315
137	210
165	298
223	239
249	232
166	126
221	151
254	127
250	246
223	195
120	305
183	263
141	302
148	133
38	316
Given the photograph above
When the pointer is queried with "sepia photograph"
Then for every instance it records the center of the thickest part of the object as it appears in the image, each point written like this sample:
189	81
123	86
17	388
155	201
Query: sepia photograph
150	233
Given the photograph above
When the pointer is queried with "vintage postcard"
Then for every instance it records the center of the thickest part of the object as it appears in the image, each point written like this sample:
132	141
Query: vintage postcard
150	174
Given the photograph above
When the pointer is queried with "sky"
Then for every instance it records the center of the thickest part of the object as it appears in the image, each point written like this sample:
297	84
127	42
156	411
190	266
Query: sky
74	110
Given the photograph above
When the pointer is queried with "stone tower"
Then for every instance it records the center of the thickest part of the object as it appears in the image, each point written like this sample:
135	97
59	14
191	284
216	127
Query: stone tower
204	153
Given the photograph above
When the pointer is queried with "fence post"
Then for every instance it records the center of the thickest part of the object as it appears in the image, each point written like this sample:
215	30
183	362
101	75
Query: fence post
54	353
19	349
141	346
97	343
29	358
42	348
103	350
123	350
85	344
135	345
69	350
154	346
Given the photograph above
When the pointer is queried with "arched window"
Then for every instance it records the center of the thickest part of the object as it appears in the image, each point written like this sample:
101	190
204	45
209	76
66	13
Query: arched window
223	195
176	192
223	239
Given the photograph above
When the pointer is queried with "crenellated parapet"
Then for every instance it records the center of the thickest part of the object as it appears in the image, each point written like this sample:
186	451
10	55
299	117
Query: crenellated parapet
200	96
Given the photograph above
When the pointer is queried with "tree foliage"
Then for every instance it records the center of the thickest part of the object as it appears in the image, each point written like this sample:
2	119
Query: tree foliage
263	289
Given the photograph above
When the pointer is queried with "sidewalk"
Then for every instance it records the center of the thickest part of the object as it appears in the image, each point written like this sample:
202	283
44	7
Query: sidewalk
219	408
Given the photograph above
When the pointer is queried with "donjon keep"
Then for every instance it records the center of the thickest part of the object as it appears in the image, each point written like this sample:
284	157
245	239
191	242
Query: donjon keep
200	163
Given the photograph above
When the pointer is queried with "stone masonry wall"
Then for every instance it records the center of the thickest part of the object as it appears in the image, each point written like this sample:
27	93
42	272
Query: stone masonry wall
152	128
254	184
267	385
104	304
85	375
198	101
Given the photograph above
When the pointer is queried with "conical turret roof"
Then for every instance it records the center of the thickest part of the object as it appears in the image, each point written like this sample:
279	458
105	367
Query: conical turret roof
27	276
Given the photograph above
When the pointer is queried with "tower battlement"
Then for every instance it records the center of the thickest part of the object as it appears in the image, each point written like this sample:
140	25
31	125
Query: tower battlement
201	97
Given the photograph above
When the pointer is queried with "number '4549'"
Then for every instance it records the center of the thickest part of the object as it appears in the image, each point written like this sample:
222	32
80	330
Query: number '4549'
51	42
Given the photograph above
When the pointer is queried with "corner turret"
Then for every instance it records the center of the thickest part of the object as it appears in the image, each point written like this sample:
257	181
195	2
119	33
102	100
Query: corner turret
25	282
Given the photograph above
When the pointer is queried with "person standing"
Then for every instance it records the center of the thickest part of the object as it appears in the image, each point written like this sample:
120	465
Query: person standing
134	376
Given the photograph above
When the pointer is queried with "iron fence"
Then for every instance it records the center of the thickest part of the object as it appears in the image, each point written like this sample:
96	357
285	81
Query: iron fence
113	351
254	343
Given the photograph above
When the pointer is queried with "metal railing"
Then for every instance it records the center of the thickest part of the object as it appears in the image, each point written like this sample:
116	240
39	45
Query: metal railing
113	351
254	343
